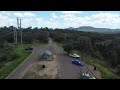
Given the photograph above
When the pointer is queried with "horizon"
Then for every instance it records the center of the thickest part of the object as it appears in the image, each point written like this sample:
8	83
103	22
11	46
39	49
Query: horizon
61	28
61	19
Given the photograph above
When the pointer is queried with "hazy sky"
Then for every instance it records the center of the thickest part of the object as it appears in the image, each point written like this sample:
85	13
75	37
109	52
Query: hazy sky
61	19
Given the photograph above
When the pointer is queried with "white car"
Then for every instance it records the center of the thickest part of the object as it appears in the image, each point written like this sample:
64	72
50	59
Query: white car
75	56
87	76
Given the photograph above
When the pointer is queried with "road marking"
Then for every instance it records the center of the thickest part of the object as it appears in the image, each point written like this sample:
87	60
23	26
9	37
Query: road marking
18	66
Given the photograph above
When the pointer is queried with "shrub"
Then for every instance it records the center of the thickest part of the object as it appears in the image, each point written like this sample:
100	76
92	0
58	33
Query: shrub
14	55
3	58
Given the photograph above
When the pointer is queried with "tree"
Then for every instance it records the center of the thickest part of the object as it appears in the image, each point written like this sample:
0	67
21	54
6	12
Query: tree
68	47
118	68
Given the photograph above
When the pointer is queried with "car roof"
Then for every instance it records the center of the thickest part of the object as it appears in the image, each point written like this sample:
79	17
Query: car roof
76	60
76	54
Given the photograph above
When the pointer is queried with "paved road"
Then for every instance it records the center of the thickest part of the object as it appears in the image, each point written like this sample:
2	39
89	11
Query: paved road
67	69
20	71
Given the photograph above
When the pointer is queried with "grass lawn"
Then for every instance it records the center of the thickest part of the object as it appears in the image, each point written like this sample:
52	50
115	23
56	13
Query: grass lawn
10	66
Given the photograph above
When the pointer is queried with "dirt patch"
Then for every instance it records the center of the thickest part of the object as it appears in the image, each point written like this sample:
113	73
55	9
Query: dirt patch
36	71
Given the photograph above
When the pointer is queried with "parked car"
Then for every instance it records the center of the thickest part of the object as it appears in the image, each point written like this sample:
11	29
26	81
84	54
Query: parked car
78	62
29	48
87	76
75	56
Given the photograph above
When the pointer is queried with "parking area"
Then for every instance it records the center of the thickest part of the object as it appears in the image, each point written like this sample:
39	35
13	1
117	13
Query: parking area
69	70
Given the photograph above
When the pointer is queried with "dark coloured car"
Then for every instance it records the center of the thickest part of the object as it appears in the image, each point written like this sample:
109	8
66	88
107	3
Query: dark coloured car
78	62
29	48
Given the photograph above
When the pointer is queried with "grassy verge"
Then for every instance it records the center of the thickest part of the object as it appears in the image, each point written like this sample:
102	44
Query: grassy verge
38	44
10	66
59	44
105	72
65	52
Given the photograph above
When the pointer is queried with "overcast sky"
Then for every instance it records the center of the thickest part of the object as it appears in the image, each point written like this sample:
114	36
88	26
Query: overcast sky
61	19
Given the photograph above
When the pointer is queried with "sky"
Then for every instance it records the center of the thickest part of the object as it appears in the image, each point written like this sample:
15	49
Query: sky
61	19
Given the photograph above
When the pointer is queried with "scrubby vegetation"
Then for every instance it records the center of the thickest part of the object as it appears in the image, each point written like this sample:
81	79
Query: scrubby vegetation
12	54
100	46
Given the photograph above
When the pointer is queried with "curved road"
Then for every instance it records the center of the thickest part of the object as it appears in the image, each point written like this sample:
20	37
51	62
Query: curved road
67	69
20	71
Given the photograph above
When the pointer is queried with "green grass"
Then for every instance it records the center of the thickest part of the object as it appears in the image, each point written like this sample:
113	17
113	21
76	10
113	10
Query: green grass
59	44
38	44
65	52
10	66
105	72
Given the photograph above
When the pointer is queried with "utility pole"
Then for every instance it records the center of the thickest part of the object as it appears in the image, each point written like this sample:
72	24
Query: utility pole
14	34
17	28
21	31
18	22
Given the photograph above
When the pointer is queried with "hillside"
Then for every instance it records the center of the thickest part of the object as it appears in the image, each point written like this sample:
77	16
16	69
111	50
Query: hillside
93	29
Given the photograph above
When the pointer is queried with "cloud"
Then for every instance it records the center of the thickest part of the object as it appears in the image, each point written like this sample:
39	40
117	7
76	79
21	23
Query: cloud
52	24
29	22
3	20
106	20
40	22
39	19
25	14
29	14
6	13
71	12
61	20
18	14
54	15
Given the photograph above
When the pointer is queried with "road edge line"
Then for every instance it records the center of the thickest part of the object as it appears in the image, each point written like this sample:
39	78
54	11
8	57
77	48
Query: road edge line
18	66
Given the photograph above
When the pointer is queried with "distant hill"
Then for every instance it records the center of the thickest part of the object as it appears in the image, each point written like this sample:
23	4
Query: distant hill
93	29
